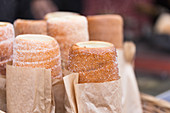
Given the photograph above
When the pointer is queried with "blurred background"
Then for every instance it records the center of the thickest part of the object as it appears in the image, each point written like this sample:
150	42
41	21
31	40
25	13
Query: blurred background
146	22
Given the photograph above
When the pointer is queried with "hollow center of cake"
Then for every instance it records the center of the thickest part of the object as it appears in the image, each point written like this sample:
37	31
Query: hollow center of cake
64	18
93	44
61	14
35	37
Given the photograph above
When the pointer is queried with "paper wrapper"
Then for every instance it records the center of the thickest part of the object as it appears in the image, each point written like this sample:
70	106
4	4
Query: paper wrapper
59	94
92	97
2	93
29	90
130	93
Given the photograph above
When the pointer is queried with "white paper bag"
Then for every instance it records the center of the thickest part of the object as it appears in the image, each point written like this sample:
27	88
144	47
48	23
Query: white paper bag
130	92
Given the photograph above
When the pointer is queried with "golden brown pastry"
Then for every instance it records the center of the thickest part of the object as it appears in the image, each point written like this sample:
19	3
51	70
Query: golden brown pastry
6	48
30	27
37	51
107	28
68	30
6	31
95	61
27	56
6	45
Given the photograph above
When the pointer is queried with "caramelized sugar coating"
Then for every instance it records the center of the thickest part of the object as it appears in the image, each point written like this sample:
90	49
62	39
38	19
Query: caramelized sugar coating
95	61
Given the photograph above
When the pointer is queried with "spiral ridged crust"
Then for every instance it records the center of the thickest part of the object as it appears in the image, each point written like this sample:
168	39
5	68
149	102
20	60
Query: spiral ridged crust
37	51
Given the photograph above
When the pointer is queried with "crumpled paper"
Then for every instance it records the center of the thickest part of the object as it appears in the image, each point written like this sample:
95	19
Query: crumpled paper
29	90
59	95
92	97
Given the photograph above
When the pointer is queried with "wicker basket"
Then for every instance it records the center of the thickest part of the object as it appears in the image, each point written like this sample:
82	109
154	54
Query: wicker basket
151	104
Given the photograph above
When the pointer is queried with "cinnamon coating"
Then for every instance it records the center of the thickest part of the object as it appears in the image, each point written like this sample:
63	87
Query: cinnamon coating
95	61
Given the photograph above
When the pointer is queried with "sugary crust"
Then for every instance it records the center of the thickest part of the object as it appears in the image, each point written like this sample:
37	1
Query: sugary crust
6	47
41	64
37	51
30	27
21	43
37	55
67	31
6	31
94	64
97	76
85	59
54	65
58	14
56	71
106	28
